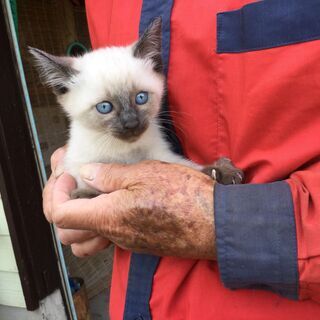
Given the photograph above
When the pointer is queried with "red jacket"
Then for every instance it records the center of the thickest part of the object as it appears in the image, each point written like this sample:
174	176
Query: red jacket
243	82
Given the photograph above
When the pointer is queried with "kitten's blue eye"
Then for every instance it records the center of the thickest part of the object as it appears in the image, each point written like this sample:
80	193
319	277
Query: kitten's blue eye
142	97
104	107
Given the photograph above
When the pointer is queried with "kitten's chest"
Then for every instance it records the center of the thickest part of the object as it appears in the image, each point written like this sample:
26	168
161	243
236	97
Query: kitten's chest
121	156
79	154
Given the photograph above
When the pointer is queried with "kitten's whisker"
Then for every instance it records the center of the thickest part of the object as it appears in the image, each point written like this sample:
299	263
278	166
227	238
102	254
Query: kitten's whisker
175	125
182	113
163	128
162	118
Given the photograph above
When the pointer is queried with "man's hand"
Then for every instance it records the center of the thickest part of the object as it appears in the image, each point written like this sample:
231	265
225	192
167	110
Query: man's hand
150	207
83	242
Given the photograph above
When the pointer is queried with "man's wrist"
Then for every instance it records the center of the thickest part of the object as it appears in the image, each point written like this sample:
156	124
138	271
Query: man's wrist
206	248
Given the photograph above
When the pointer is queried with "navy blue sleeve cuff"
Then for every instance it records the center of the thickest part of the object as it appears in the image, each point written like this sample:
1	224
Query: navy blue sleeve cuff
256	237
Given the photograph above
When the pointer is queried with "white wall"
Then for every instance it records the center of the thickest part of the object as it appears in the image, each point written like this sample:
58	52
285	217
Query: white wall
10	286
51	308
12	304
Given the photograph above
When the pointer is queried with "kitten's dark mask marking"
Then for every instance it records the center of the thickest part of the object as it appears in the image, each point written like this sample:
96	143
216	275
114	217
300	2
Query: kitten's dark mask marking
130	121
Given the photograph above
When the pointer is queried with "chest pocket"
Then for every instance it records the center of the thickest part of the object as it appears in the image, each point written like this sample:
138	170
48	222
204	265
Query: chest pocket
269	85
268	24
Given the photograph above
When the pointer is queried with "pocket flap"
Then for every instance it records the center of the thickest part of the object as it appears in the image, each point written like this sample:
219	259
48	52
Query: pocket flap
267	24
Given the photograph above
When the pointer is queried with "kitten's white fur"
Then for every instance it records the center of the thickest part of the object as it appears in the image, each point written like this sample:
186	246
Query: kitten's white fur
104	70
83	82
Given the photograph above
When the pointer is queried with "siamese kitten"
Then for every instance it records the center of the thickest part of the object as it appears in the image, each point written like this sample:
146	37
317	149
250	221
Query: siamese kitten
112	97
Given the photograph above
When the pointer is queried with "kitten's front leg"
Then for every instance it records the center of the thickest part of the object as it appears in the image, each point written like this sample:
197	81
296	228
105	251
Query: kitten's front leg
169	156
81	193
224	172
82	190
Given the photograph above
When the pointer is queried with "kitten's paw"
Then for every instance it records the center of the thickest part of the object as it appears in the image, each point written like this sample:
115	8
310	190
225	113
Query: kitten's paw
224	172
84	193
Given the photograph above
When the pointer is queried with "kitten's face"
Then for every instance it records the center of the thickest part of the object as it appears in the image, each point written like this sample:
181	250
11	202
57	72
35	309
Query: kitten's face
115	90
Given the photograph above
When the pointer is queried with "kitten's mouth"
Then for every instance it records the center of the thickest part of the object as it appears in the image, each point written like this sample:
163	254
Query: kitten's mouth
131	135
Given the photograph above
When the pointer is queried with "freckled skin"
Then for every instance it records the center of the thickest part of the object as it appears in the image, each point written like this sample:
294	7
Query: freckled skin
151	207
168	210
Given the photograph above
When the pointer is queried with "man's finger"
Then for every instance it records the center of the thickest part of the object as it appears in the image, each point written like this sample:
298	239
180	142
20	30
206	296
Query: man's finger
96	214
66	212
105	177
63	188
47	198
56	168
57	157
70	236
84	214
90	247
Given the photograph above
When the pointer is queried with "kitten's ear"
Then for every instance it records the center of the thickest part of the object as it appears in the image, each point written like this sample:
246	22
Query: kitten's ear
149	44
56	72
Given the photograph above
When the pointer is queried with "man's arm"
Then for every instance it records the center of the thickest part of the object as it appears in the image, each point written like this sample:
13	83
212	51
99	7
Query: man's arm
151	207
267	234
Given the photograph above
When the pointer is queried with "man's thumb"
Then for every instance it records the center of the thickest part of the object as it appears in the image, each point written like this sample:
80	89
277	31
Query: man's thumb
104	177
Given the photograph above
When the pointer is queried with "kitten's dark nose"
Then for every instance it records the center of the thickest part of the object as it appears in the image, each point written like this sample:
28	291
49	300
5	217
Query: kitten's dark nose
131	124
130	121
